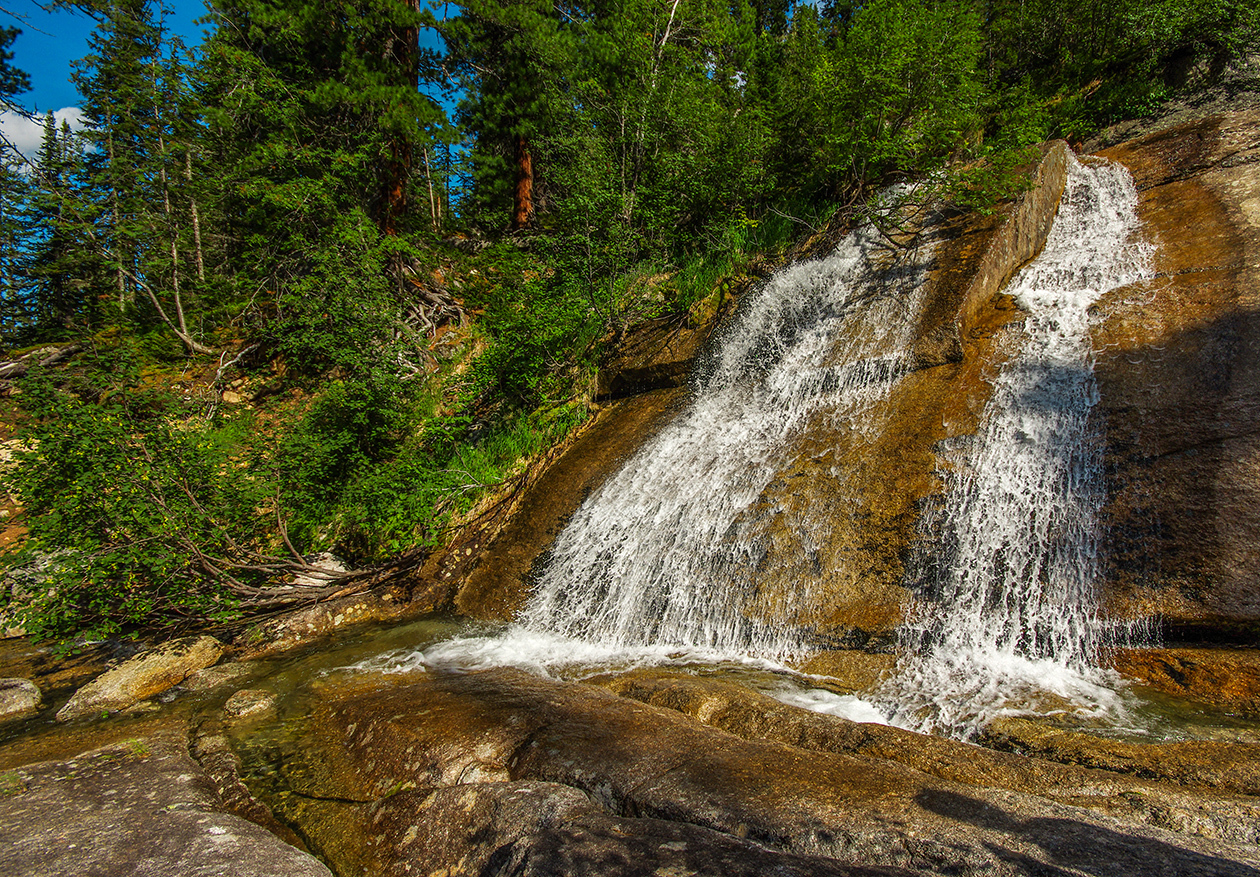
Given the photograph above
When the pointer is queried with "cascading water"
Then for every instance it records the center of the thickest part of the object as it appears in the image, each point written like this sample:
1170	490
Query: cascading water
1008	619
662	554
664	560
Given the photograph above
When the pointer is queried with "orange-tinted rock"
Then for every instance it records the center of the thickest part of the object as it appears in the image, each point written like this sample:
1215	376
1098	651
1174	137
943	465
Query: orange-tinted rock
842	518
640	762
754	716
1179	376
1227	767
1226	678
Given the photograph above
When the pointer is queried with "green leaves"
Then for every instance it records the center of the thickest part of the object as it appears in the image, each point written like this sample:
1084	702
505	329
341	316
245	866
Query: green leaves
116	503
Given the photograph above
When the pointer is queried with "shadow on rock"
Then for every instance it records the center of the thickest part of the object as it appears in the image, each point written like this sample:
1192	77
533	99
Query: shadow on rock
1085	848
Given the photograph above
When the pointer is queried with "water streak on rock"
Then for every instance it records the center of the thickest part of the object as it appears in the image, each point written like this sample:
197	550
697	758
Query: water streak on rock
1007	616
664	553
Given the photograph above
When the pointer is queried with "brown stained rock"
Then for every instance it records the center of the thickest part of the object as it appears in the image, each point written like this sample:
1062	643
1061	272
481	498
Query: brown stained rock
19	698
754	716
1179	377
1226	678
496	586
1231	768
643	762
144	809
142	676
845	514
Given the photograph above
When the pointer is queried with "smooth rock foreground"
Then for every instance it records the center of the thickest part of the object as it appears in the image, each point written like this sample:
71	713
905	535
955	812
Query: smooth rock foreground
143	809
499	772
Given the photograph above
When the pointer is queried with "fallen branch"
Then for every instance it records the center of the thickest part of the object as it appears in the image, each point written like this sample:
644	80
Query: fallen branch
45	356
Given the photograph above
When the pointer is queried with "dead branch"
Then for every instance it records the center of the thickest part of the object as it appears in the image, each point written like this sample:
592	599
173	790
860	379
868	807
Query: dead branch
43	357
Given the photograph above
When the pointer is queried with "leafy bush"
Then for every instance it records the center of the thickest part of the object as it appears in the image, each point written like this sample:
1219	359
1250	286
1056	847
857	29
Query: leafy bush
124	511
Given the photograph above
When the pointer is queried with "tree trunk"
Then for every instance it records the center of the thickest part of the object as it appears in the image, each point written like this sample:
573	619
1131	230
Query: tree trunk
196	219
523	200
404	51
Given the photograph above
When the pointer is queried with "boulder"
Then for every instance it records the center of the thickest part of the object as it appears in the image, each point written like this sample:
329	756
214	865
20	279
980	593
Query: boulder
19	698
144	675
142	809
641	762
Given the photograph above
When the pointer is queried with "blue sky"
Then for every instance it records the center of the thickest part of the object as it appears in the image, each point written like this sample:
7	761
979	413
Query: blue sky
51	41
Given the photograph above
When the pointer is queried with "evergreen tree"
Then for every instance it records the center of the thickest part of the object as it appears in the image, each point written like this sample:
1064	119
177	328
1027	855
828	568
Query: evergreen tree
314	118
116	84
17	303
60	259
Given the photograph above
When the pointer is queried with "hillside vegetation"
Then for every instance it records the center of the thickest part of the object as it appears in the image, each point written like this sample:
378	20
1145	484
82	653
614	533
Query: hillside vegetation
275	300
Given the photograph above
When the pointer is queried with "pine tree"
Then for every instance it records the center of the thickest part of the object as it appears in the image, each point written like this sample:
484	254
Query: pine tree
315	121
60	258
17	305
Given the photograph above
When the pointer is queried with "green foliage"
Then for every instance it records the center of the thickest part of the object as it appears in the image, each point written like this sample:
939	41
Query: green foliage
117	499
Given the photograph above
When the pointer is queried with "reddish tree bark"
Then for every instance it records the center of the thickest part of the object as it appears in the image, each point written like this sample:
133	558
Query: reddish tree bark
523	202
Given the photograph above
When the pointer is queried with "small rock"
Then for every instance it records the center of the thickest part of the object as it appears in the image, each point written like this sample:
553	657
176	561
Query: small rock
251	703
220	674
18	698
143	676
231	397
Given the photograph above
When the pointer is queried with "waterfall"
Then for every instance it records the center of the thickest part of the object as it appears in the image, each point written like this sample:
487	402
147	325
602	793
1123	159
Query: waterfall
1008	618
665	559
663	553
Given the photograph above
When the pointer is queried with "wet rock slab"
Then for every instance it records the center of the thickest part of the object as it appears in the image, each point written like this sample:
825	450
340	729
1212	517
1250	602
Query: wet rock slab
637	762
1207	788
1227	678
142	809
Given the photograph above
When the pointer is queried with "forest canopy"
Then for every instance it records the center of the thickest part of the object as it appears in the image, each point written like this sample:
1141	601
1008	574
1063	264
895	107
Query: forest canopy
413	257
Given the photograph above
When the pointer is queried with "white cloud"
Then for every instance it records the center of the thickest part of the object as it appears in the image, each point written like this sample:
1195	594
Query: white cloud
28	134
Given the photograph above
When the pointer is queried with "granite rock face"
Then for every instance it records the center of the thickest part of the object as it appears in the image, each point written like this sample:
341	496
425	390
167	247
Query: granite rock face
473	750
1179	379
144	809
